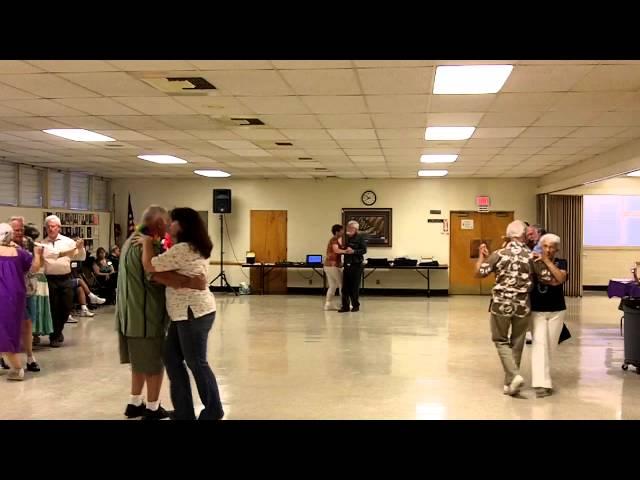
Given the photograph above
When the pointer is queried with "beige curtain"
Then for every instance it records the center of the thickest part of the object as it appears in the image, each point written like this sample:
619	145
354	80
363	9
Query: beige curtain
564	217
541	209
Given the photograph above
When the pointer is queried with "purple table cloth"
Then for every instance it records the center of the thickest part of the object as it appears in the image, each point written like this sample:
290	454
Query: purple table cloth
623	288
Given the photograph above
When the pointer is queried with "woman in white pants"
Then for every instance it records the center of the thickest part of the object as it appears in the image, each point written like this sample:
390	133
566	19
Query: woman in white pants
547	312
333	265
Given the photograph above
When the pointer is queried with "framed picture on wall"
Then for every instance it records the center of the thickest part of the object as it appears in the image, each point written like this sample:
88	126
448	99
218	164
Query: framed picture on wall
375	224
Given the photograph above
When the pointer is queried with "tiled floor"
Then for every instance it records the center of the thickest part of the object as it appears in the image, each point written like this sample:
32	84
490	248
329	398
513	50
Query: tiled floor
282	357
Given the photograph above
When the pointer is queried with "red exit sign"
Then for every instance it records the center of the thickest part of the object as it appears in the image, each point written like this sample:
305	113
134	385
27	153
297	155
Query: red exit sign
483	201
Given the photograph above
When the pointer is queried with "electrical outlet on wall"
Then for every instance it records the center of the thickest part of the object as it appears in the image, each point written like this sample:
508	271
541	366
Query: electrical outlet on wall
377	281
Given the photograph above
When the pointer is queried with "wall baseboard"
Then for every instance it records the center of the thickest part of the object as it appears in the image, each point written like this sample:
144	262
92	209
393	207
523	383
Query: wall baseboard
594	288
386	292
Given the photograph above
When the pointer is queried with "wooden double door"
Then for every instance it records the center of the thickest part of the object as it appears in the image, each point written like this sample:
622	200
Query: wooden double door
468	230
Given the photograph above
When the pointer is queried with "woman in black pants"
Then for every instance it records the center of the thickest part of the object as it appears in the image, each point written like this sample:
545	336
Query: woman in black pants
192	314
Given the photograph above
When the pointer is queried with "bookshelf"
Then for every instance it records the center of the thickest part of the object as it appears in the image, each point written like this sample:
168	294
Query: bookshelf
84	225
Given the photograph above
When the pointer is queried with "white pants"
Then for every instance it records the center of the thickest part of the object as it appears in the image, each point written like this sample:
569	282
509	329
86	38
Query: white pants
334	280
546	327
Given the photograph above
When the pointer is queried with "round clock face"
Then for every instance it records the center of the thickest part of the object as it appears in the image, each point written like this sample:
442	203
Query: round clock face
368	198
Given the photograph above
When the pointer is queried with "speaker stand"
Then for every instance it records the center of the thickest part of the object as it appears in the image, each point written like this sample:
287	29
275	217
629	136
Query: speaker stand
224	283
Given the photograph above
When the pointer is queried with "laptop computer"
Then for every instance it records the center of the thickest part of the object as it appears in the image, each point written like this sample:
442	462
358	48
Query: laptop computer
314	259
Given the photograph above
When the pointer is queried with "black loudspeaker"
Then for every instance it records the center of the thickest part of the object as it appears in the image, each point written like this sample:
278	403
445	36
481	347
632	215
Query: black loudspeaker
222	200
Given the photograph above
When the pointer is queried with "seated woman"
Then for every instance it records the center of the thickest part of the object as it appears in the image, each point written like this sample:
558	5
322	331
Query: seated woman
106	275
547	311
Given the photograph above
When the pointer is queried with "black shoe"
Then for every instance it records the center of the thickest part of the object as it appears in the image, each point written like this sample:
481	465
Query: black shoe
133	412
55	343
33	367
343	310
355	309
4	365
529	342
159	414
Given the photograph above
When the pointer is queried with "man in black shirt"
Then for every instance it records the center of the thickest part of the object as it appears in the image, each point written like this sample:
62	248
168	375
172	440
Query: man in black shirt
356	247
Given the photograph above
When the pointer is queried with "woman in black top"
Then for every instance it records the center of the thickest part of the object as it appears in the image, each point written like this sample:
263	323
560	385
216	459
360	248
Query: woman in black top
547	311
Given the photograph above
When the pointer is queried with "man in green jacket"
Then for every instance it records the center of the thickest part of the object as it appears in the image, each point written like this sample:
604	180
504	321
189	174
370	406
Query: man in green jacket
142	318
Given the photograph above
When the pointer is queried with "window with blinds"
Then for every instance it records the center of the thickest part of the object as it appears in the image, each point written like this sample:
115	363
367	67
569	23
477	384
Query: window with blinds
100	194
8	184
79	185
30	187
57	190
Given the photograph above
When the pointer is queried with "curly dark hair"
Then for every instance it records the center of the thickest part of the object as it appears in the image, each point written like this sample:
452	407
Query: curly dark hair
31	231
336	228
192	230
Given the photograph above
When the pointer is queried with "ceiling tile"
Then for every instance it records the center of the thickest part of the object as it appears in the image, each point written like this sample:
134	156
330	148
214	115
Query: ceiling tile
291	121
61	66
39	107
397	103
214	105
400	133
611	78
155	106
503	132
335	104
97	106
460	103
275	105
322	82
399	120
17	66
388	81
249	82
353	134
510	119
530	102
232	64
303	133
10	93
188	122
348	121
88	122
545	78
574	118
310	64
484	142
546	132
151	65
620	118
112	84
46	85
259	133
135	122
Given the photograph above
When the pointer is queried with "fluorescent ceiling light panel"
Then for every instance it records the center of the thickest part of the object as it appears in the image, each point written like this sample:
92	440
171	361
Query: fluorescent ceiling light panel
470	79
448	133
634	174
438	158
212	173
79	135
164	159
432	173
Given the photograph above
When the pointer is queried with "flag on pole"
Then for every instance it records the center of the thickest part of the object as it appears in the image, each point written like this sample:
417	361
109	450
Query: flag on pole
131	225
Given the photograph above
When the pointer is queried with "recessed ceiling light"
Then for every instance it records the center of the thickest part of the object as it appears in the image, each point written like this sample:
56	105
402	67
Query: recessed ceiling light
448	133
470	79
634	174
212	173
432	173
164	159
438	158
79	135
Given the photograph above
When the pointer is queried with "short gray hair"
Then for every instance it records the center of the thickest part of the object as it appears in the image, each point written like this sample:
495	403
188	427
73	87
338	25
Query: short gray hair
52	218
551	238
17	219
516	229
355	224
6	234
151	212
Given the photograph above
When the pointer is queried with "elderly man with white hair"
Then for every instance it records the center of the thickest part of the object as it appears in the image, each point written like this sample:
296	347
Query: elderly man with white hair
547	311
57	268
510	300
355	248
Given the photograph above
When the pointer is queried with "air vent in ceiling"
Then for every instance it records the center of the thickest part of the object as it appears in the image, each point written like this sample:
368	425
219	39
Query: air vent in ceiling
305	159
247	121
284	144
113	145
181	85
321	169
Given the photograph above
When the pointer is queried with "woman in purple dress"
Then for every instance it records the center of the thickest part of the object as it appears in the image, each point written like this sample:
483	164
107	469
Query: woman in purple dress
14	264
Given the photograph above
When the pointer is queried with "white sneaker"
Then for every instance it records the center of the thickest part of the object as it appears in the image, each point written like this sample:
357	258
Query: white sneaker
96	300
327	306
85	313
16	375
71	320
505	390
515	385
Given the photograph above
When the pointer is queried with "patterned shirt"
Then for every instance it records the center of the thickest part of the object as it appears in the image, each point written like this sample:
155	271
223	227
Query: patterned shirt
182	259
513	267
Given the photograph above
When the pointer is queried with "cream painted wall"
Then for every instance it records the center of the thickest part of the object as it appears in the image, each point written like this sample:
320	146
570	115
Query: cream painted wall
35	216
314	205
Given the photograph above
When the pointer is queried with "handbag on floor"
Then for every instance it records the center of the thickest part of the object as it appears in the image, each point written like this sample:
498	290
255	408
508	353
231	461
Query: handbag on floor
565	334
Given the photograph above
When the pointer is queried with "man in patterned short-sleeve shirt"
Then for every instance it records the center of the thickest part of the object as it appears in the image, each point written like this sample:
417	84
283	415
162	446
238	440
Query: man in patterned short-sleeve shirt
510	307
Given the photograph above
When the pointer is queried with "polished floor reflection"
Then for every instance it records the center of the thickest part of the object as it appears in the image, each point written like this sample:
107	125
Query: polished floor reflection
282	357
